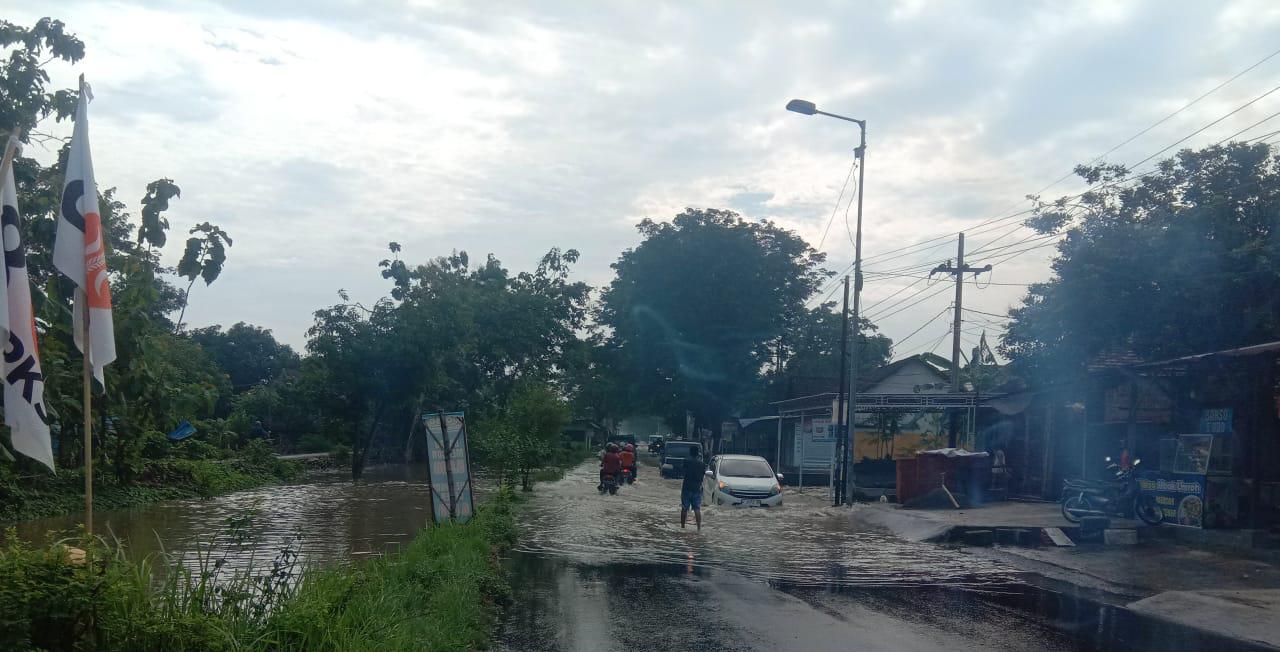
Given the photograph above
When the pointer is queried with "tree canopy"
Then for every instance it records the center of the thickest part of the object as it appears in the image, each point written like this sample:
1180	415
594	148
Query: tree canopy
1183	260
696	306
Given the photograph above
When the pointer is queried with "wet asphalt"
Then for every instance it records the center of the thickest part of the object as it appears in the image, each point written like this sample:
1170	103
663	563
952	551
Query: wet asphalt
597	572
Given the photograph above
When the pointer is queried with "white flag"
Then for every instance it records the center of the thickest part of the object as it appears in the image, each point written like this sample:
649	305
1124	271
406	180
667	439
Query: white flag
24	410
78	251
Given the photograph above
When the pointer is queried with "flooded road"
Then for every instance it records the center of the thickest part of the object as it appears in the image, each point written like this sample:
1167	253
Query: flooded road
326	517
597	572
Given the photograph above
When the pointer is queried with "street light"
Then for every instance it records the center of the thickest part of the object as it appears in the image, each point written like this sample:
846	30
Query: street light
805	107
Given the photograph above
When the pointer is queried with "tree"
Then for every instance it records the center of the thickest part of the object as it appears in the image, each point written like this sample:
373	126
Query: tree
449	335
695	308
23	97
249	354
1184	260
528	430
203	258
811	346
157	379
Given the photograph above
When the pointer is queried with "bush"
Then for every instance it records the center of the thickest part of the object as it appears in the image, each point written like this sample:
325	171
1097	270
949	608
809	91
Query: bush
440	593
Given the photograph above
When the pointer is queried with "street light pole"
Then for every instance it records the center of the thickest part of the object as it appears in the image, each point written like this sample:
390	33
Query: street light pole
846	477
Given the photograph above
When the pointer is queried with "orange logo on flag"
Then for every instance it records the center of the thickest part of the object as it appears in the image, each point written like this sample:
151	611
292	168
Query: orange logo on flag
97	289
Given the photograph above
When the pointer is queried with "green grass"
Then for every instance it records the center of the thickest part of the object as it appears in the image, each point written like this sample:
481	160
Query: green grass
442	592
167	479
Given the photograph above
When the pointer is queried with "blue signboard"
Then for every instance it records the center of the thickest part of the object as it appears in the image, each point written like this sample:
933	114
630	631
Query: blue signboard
1217	421
449	461
1180	496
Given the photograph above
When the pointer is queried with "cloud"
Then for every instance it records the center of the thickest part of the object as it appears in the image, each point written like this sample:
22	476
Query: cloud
317	135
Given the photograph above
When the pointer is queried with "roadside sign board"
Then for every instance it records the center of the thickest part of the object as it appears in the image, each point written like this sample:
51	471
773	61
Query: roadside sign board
1180	496
449	460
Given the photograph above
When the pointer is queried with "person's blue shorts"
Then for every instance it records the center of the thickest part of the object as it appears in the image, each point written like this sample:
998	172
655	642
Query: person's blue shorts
691	499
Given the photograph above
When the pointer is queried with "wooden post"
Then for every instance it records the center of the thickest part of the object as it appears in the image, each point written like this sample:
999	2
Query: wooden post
88	421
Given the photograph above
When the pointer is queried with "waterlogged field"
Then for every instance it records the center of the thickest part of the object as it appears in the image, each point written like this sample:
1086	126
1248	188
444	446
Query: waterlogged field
439	590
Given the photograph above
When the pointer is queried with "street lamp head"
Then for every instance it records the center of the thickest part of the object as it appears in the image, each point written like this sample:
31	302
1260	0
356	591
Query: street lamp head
802	106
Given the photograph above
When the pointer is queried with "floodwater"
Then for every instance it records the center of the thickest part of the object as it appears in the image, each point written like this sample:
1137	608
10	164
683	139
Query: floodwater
326	518
805	542
594	572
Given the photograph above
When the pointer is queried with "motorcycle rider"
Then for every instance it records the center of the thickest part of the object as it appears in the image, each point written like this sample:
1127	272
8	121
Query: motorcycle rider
628	457
610	464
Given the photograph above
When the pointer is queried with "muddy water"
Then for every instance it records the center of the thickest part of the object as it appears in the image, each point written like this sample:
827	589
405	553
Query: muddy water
327	518
802	543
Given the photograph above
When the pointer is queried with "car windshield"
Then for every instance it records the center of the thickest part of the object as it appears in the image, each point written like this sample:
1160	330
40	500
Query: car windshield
745	469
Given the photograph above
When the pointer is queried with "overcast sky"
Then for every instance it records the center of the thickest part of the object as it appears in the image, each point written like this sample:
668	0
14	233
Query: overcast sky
317	136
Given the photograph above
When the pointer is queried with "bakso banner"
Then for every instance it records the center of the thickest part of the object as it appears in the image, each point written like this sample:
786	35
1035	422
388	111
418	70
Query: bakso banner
449	461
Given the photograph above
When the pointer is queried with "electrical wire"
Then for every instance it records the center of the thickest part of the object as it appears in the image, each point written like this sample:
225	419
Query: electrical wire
1270	117
989	314
1201	129
836	208
1069	174
922	327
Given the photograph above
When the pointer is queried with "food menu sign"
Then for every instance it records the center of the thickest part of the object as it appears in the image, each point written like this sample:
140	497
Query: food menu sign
449	461
1180	496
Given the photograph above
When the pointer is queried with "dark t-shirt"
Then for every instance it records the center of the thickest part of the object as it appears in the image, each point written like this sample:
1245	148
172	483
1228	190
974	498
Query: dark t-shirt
694	470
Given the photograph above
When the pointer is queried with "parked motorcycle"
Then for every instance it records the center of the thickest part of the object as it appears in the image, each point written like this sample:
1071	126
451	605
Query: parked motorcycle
1118	496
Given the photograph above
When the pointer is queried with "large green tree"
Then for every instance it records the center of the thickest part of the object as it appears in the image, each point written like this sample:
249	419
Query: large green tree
811	347
696	306
249	354
1183	260
450	336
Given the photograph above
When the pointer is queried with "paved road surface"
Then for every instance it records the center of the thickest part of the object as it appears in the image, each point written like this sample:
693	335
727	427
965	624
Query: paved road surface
600	573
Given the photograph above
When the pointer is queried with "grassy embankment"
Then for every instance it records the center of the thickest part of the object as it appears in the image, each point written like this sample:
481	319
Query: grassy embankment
167	479
442	592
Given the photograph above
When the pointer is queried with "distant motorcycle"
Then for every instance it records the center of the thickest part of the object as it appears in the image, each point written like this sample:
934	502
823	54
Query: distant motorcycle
1118	496
610	485
628	476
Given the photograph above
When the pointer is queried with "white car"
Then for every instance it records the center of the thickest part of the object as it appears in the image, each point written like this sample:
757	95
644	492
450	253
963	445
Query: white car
743	481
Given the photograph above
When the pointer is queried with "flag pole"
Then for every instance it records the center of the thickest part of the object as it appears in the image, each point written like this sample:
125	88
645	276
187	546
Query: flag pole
88	424
87	404
10	153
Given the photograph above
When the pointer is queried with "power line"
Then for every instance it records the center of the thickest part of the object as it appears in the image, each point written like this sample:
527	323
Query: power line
928	347
1270	117
1201	129
989	314
847	206
922	326
973	230
1165	119
836	208
884	315
887	274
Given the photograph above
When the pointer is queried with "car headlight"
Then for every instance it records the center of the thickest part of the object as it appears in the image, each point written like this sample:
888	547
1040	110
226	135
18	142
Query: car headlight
777	489
722	486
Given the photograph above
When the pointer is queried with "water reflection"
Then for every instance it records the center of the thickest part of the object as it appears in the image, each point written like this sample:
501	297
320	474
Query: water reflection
336	519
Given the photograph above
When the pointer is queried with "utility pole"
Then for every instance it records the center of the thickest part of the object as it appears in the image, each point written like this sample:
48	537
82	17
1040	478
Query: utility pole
841	430
958	271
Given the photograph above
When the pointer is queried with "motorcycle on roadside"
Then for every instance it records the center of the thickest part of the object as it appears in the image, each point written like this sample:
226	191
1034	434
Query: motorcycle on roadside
1117	496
